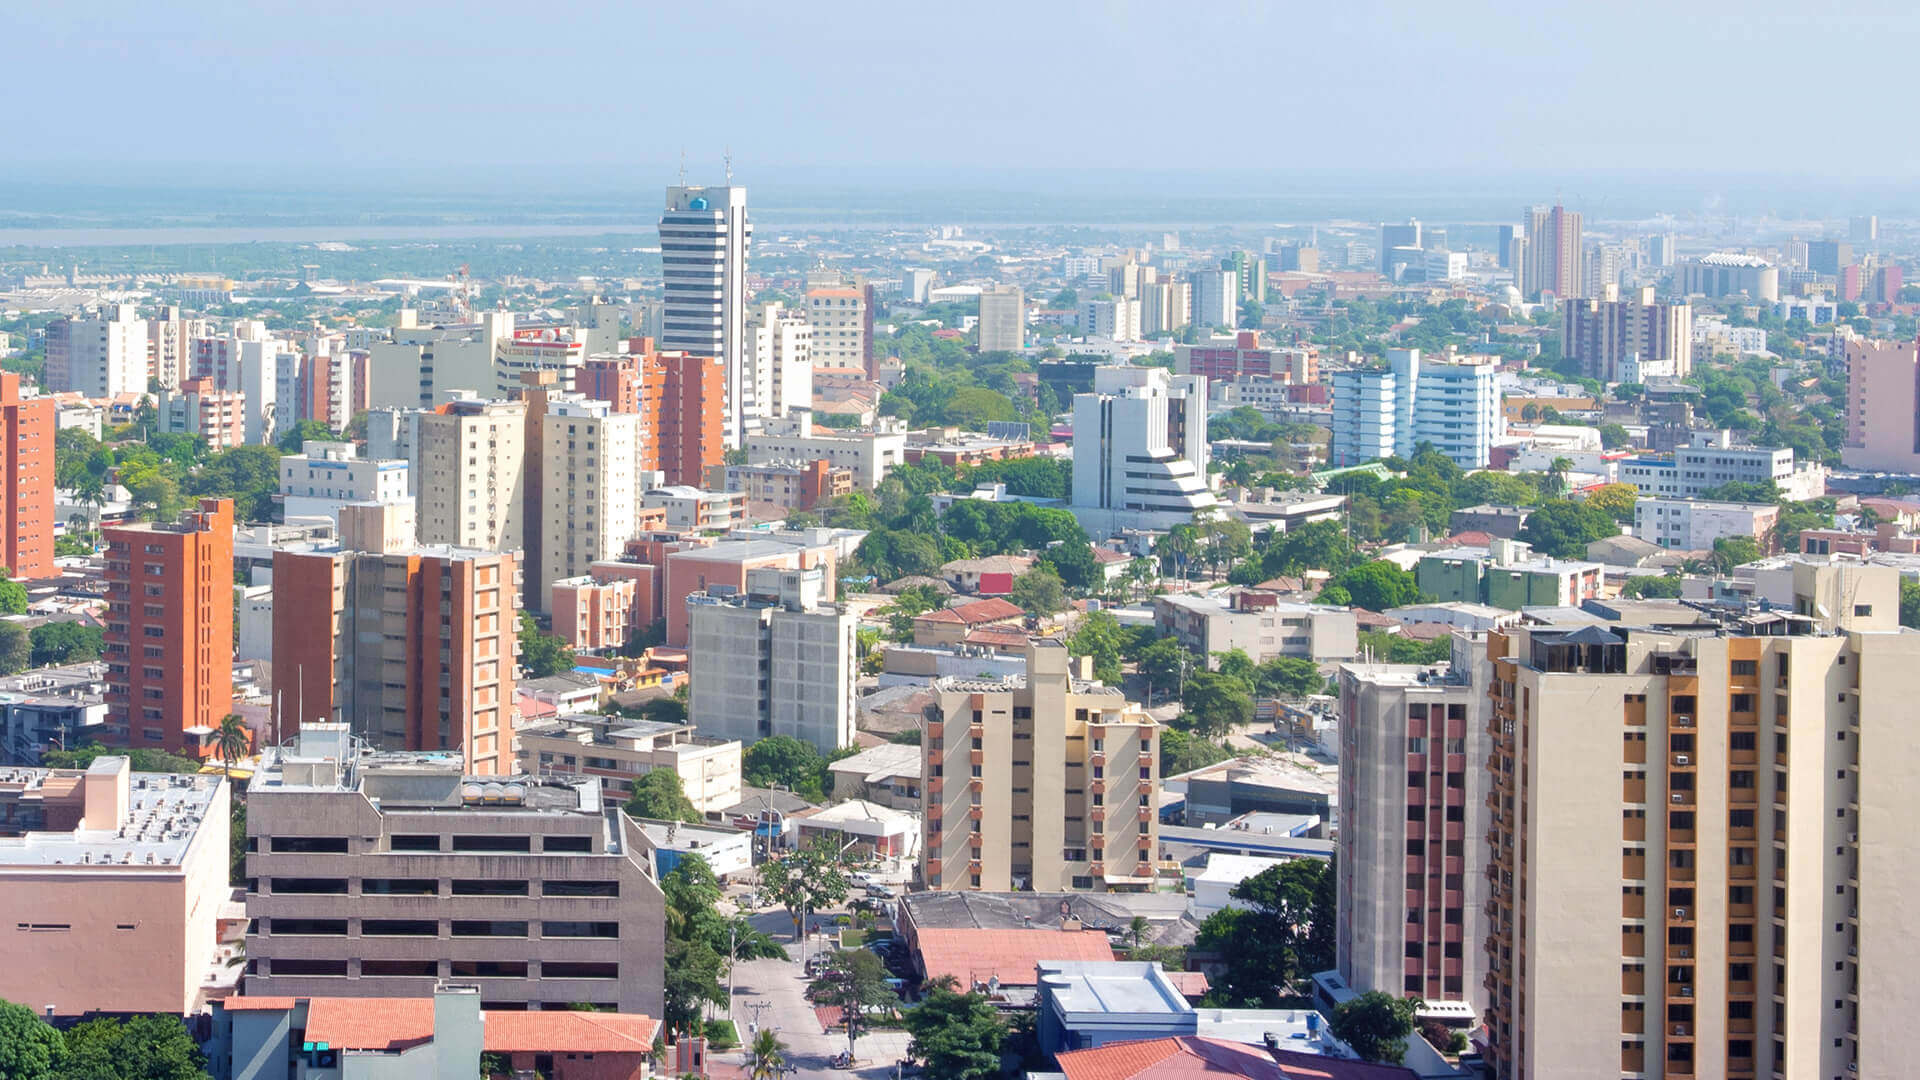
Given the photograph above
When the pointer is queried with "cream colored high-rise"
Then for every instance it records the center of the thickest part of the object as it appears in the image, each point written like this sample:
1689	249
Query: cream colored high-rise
1045	782
590	462
469	492
1756	917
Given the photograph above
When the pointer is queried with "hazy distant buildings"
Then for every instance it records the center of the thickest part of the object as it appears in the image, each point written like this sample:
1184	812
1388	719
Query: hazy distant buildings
838	315
1003	319
1826	257
1117	319
1601	335
1722	274
102	355
704	239
1553	261
1453	404
1216	301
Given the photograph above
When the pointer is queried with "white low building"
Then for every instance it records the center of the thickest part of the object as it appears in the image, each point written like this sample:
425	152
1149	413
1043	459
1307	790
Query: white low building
324	476
1213	887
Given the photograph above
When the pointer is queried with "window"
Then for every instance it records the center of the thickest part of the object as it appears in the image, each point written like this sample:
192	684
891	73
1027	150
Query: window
564	929
568	843
580	888
399	887
321	927
308	886
399	927
488	887
493	843
284	966
311	845
489	969
414	843
489	928
416	968
555	969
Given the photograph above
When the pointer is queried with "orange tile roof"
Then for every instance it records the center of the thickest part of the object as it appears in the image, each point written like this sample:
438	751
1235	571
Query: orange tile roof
1192	984
1191	1057
992	609
256	1004
973	955
364	1023
569	1032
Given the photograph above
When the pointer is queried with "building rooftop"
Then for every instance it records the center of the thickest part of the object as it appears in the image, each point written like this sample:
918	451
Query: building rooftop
880	763
555	1031
326	757
974	956
1113	912
369	1023
164	814
1119	986
1192	1057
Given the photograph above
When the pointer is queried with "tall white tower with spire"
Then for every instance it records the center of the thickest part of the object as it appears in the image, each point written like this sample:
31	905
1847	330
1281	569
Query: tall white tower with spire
704	237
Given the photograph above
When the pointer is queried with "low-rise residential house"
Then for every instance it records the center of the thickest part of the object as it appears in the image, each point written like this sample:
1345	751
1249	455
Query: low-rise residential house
1258	623
1506	575
950	626
989	576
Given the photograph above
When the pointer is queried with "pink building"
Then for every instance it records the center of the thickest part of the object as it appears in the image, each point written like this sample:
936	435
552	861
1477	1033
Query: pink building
590	614
698	569
1883	407
112	888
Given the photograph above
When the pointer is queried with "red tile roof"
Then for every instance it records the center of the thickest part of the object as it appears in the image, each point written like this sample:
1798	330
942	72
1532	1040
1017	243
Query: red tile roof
1471	538
364	1023
973	956
569	1032
978	612
999	637
1193	1058
256	1004
1191	984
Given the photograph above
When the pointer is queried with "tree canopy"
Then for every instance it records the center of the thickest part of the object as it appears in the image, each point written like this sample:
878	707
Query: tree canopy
661	796
1376	1024
1285	933
957	1036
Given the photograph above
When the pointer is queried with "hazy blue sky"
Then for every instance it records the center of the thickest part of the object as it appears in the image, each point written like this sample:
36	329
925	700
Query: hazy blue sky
576	94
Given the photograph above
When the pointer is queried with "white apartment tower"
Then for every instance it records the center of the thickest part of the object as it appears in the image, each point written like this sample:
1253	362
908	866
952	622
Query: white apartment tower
704	237
590	487
470	491
1452	403
103	355
772	660
1140	449
780	360
1003	319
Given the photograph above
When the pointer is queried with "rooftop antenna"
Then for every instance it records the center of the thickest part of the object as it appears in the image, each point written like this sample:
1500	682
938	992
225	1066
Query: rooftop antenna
727	158
683	167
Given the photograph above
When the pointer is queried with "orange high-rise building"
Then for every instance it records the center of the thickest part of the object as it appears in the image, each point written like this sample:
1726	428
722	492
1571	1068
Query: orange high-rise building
169	637
26	481
412	646
682	397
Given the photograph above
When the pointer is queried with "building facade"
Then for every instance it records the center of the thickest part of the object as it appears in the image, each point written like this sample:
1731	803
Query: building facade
1694	524
1003	319
471	488
1450	403
169	633
591	469
324	476
26	481
838	317
621	751
773	659
869	454
1722	274
704	239
1883	407
378	874
101	356
1043	782
1552	257
1140	449
1602	334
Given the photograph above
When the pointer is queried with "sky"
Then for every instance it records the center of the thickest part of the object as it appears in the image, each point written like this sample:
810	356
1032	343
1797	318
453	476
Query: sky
579	96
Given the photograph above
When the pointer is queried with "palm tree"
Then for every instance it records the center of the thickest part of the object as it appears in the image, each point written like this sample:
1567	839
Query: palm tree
1138	928
1557	477
769	1056
231	741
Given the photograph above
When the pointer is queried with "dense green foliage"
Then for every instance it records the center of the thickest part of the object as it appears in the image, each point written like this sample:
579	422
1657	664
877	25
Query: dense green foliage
140	758
782	761
65	643
134	1048
1563	528
1376	1024
542	654
661	796
1284	934
956	1036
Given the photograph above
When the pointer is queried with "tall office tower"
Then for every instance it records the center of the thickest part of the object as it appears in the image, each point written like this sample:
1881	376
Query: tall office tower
781	341
591	478
102	355
411	646
1883	406
1626	330
1864	231
1829	256
1165	306
704	237
1003	318
1510	248
1414	749
1117	319
381	874
1760	780
470	491
26	482
1393	236
1553	263
1140	458
1044	782
774	658
169	638
838	316
1214	302
1661	251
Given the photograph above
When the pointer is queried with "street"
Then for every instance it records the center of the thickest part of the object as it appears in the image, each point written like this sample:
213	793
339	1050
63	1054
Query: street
775	990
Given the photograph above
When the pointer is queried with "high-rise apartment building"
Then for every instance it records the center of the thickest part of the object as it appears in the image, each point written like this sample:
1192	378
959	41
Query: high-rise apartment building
590	468
1215	298
411	646
102	355
1602	334
1003	319
1165	306
197	407
1044	782
781	348
1117	319
1400	236
1827	257
838	317
1662	251
1412	849
704	238
26	481
170	338
470	488
1759	778
381	874
1864	230
772	659
424	366
1883	406
1553	251
545	348
1140	449
169	635
681	399
1450	402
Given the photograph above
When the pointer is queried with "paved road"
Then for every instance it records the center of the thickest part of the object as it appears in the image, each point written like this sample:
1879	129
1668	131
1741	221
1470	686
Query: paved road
780	985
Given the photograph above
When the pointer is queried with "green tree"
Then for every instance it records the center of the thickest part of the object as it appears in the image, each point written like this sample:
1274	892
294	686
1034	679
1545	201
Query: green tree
16	649
1615	500
1614	436
659	795
1743	491
1182	751
1649	586
1376	1024
1563	528
769	1056
1164	663
856	982
65	643
1400	649
1910	603
1099	636
1075	566
13	595
305	431
956	1036
1377	585
1288	676
1214	704
542	654
249	475
809	879
782	761
30	1048
139	1048
1732	551
232	740
1039	592
1283	934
